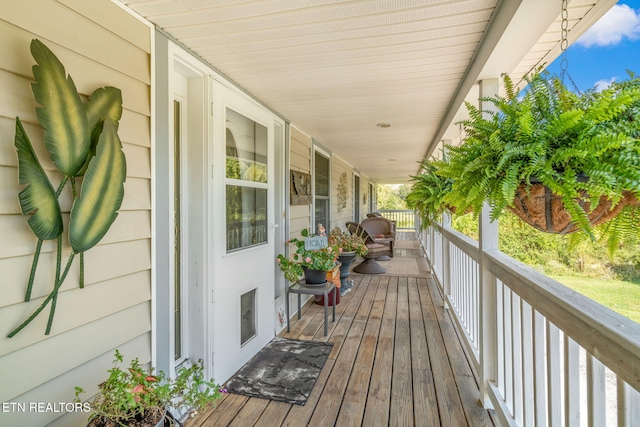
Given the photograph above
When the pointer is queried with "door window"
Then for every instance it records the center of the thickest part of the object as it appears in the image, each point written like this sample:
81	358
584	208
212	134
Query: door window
322	190
246	189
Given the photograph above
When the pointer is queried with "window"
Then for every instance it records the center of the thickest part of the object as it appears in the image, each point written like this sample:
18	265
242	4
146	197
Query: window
246	189
322	180
177	239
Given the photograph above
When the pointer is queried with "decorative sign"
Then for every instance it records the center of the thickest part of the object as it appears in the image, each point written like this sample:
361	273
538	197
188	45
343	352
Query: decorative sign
300	188
312	243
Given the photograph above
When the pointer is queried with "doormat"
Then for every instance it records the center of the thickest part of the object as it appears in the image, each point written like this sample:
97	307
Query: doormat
284	370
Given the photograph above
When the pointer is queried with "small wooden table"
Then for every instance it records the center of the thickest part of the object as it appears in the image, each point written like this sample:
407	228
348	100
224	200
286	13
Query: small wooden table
301	287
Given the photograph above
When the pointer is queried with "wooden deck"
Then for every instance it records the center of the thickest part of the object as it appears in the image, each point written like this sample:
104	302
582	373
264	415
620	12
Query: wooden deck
396	361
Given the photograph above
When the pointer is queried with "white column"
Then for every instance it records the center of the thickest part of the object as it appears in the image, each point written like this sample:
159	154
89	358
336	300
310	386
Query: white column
446	260
446	245
488	284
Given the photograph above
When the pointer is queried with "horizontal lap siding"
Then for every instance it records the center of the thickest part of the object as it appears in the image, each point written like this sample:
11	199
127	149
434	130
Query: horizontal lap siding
300	161
100	45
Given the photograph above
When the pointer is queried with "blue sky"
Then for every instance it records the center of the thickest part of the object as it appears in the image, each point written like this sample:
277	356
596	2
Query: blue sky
607	49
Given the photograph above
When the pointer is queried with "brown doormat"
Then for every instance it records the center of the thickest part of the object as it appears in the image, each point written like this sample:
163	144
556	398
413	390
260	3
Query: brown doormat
284	370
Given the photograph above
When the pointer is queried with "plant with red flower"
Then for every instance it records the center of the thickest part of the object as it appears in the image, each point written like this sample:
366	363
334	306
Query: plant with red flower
135	396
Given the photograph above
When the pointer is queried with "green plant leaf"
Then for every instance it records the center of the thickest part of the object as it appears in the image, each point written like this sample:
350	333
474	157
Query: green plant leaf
38	197
104	103
102	191
62	115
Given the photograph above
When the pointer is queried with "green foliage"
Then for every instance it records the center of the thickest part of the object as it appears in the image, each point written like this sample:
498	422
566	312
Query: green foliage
82	140
391	197
129	393
347	242
428	192
582	146
314	259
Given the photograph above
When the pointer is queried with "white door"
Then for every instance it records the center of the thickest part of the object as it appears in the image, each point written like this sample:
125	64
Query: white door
243	229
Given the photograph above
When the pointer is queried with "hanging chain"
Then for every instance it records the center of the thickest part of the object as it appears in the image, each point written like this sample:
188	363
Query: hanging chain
564	43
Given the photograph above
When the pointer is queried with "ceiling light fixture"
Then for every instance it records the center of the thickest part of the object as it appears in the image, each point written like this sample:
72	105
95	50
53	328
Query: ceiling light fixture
384	125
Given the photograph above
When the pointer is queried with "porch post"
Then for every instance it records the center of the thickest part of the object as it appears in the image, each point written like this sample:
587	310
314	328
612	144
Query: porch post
488	283
446	246
446	261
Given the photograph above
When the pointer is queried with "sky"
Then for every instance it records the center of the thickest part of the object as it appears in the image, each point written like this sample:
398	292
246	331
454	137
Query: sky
607	49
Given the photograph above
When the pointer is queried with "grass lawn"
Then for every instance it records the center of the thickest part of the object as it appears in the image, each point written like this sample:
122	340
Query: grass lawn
622	297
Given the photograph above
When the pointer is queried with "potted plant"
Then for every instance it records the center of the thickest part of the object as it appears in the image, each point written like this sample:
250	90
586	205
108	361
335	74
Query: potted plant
429	192
313	263
349	246
134	397
562	161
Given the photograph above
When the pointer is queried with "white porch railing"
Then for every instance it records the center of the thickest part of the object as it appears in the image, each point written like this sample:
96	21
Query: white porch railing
405	219
552	357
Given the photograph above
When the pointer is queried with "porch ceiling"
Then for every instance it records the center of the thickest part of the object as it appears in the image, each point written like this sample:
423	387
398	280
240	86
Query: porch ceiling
336	68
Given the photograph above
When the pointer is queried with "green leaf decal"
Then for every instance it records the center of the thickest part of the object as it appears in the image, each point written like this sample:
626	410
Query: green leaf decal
38	197
62	115
105	102
102	191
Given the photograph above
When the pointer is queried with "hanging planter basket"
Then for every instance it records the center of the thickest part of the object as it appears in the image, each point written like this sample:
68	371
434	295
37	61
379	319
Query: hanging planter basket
454	209
539	207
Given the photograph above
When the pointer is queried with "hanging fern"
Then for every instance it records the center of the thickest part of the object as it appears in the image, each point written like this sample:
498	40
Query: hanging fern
429	192
584	147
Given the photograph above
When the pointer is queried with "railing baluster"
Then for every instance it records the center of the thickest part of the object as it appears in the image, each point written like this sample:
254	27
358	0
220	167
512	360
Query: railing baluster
596	396
571	382
500	337
628	405
508	346
553	375
516	331
539	369
527	365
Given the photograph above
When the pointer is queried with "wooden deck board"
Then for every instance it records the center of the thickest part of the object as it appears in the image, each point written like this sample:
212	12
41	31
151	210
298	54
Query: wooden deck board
379	397
401	413
425	401
352	409
250	412
396	360
274	414
449	404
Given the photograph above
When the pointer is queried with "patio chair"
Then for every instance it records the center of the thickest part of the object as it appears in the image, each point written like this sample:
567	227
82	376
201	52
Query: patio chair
382	230
376	250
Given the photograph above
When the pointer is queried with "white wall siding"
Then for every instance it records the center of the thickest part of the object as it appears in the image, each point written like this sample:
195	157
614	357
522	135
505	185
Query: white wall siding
300	161
99	44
